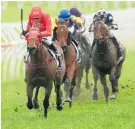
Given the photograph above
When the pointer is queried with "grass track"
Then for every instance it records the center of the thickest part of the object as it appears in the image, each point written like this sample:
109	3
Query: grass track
85	114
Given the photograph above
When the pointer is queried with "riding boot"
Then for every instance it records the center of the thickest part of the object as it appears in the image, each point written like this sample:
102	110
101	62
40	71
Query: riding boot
57	55
117	44
54	34
93	44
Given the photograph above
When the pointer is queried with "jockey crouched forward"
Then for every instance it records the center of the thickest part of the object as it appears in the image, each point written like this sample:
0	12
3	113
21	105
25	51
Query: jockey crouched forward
66	16
41	20
107	18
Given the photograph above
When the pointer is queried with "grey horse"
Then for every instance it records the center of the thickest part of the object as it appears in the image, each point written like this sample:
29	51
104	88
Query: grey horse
105	61
84	44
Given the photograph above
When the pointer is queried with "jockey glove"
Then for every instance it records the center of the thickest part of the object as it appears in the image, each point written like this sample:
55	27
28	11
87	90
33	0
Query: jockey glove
24	33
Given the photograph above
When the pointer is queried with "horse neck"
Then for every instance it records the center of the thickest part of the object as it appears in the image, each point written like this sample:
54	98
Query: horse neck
40	55
102	47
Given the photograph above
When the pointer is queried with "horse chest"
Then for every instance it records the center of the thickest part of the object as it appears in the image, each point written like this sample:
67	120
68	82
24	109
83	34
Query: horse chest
103	65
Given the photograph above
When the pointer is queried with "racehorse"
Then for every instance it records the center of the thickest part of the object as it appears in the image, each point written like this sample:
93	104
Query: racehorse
83	40
105	60
41	70
72	67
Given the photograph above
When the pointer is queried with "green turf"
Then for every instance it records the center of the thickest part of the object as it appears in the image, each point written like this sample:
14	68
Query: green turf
85	113
12	12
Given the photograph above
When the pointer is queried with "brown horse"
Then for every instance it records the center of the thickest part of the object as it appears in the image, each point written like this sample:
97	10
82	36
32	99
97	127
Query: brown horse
104	60
41	70
70	60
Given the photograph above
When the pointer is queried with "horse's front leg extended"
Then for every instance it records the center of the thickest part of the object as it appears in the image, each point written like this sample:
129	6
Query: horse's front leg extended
112	80
103	82
95	76
46	99
35	100
58	97
29	96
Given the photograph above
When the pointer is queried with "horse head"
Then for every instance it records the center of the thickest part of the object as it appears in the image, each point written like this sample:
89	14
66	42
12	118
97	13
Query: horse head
62	32
100	30
33	40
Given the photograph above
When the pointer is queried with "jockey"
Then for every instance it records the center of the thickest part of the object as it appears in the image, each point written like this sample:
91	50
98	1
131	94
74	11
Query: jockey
66	16
41	20
80	16
107	18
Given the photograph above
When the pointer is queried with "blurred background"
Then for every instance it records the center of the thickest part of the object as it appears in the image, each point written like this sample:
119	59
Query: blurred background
11	10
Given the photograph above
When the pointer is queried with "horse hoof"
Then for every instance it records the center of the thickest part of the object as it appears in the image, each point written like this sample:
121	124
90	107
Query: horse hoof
95	97
112	97
45	117
68	100
36	106
30	106
59	107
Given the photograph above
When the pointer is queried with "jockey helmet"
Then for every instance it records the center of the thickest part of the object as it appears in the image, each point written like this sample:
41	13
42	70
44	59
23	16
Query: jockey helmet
36	12
75	12
101	13
64	14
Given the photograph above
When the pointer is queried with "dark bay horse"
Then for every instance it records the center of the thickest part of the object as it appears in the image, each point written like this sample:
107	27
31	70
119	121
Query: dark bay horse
83	40
104	60
70	60
41	70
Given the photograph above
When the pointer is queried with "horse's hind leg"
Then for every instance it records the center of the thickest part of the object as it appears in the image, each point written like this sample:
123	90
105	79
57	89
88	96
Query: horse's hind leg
35	100
118	73
71	90
67	86
103	82
95	75
87	67
113	82
46	99
29	96
79	79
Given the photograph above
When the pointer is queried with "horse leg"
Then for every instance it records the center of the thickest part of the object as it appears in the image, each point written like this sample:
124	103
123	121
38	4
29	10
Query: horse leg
71	90
118	73
46	99
87	85
103	82
70	75
112	80
67	86
95	76
29	96
35	100
58	97
79	79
